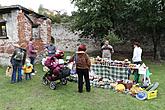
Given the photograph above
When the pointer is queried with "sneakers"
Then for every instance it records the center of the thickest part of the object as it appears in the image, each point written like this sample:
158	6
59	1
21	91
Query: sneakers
33	74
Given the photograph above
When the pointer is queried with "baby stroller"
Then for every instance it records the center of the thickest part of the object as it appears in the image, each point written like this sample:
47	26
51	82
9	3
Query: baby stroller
57	71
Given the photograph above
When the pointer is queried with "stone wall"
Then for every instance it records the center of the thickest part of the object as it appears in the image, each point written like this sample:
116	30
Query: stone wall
12	33
67	40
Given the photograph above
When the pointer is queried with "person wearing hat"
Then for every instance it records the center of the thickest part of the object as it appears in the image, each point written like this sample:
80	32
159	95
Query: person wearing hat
137	52
27	69
82	67
107	50
17	60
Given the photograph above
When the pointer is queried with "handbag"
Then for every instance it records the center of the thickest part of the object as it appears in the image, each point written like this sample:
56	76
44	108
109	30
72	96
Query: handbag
73	70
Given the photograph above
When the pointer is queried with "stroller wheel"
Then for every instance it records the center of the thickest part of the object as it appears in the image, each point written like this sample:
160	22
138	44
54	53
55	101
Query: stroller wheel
44	81
52	85
64	81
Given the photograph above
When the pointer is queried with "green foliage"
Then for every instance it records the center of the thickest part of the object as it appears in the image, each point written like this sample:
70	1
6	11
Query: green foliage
97	17
93	17
41	9
149	17
56	18
148	13
113	38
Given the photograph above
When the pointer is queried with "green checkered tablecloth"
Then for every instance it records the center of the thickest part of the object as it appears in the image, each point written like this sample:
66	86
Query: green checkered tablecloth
111	72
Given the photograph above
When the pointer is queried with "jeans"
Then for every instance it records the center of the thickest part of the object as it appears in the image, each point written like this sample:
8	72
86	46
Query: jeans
32	61
19	78
28	76
136	73
81	73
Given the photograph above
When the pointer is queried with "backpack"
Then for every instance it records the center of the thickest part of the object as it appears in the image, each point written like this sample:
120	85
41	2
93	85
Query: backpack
19	55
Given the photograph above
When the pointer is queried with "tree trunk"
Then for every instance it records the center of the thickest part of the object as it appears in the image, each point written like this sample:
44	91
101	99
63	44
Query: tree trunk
156	42
158	57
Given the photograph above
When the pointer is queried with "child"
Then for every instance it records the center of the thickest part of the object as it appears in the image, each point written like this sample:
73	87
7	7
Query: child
27	69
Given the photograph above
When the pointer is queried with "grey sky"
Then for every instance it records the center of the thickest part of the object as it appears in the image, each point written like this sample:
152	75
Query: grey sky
59	5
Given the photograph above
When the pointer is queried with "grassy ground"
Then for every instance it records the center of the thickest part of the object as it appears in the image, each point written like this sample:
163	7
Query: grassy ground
32	95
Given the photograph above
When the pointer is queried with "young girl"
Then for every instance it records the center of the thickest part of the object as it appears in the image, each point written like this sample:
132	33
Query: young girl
27	69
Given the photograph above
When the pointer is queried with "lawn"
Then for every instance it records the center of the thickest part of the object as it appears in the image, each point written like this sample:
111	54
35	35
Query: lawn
32	95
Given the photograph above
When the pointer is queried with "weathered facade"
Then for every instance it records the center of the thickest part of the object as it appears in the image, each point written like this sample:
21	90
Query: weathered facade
67	40
17	26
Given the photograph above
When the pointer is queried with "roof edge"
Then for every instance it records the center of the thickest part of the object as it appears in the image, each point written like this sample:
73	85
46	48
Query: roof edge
27	11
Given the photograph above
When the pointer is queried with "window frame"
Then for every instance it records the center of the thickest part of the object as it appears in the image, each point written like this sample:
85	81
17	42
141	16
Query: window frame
3	23
38	32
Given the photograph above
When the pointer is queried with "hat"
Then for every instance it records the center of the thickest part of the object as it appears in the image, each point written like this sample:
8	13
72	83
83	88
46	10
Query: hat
28	64
82	47
142	95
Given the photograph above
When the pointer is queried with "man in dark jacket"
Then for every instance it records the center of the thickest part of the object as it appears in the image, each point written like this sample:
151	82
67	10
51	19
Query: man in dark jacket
17	61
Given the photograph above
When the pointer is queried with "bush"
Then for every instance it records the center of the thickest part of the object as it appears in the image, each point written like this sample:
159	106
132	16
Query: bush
113	38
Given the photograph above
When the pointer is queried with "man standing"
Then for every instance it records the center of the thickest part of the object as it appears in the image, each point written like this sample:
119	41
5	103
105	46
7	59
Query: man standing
51	49
107	50
17	61
137	52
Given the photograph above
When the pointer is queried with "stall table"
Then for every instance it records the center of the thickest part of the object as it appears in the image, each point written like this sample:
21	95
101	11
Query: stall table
112	72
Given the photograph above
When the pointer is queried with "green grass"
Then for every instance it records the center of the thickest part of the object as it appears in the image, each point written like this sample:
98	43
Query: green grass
32	95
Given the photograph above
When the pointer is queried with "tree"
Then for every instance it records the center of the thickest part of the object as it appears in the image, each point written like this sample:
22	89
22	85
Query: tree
93	17
56	18
98	17
149	17
41	9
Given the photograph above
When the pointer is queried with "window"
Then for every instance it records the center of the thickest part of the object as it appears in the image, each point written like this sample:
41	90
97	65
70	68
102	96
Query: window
36	33
3	33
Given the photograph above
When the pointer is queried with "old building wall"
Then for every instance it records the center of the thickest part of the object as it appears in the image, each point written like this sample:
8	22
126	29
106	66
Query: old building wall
21	26
43	30
12	33
6	45
67	40
28	30
49	29
19	30
44	33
